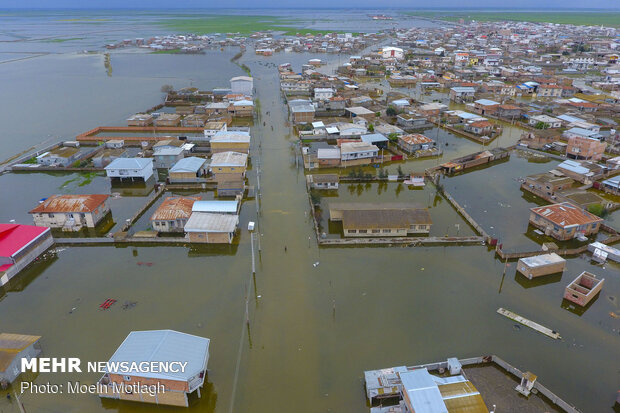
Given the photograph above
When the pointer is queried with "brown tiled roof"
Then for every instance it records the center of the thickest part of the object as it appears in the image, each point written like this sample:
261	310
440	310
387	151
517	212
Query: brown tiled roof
70	203
415	138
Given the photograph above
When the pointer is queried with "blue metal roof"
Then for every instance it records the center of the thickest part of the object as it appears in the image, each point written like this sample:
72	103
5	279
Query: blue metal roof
373	137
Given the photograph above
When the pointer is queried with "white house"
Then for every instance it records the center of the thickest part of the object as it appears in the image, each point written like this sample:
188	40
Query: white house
243	85
211	128
323	93
130	168
549	121
392	52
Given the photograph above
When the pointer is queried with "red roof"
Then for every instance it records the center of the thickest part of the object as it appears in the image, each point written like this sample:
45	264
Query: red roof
565	214
14	237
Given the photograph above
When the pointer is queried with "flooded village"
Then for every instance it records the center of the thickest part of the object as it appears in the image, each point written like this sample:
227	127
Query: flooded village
422	216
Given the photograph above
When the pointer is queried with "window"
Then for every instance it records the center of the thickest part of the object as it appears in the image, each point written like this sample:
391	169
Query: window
421	226
387	231
363	231
127	378
51	215
375	231
352	231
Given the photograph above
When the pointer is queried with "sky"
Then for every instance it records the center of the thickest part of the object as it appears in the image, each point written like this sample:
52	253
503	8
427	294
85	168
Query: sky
409	4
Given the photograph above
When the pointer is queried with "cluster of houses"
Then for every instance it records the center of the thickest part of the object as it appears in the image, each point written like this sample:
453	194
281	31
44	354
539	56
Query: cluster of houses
180	43
267	44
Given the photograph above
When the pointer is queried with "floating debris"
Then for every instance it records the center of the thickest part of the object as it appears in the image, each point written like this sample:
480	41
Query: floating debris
315	264
148	264
128	305
107	303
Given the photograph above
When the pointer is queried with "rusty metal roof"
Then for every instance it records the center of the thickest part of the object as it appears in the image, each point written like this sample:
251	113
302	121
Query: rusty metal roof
385	218
416	138
565	214
175	207
70	203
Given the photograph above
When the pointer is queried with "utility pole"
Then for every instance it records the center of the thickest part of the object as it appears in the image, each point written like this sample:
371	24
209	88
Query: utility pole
19	402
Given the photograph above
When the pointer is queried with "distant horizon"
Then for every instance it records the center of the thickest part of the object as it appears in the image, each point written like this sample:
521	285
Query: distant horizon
165	6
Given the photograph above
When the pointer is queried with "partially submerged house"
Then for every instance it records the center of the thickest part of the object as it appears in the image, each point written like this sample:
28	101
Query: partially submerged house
157	346
235	141
380	219
60	156
323	181
19	246
189	170
564	221
71	212
140	169
211	228
229	166
14	348
540	265
167	156
173	213
583	289
414	142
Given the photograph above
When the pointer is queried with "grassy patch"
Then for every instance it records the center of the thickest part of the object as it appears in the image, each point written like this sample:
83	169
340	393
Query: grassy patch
584	18
69	39
171	51
238	24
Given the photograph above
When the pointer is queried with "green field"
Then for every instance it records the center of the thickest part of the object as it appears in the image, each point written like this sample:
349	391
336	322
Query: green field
236	24
62	40
584	18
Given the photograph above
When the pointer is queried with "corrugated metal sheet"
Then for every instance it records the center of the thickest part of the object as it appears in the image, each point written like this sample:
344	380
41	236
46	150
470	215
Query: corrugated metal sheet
164	346
207	222
175	207
70	203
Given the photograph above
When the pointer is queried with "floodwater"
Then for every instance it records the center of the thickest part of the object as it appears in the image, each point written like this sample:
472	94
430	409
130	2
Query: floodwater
318	317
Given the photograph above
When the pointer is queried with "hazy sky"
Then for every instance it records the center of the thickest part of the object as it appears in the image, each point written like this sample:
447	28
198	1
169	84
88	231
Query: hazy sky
412	4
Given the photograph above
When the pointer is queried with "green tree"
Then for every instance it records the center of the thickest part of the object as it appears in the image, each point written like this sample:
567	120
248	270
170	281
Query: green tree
371	127
393	137
391	111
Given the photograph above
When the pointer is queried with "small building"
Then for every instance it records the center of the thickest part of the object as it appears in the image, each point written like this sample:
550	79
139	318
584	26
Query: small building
236	141
157	346
480	127
485	106
14	348
323	93
168	119
194	120
324	181
462	93
585	172
188	170
508	112
583	289
390	52
243	85
228	166
411	120
564	221
140	119
360	111
61	156
585	148
302	112
205	227
544	122
414	142
211	128
19	246
173	213
380	219
130	168
548	183
231	188
71	212
114	143
328	157
242	108
540	265
581	133
106	156
357	153
165	157
377	139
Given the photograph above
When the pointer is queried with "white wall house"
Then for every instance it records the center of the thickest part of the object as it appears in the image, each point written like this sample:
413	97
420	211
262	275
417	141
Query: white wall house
242	85
130	168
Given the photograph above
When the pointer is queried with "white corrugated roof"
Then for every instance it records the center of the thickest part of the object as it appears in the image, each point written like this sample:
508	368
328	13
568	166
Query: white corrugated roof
164	346
207	222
